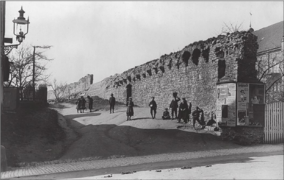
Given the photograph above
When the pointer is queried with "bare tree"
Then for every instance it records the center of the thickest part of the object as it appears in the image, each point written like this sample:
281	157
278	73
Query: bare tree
230	28
59	89
21	68
265	71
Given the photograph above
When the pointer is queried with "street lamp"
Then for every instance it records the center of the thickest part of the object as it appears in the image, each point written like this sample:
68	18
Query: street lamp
20	35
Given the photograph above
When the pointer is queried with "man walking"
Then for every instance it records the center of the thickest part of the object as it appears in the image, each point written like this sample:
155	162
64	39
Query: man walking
153	108
198	116
183	111
174	105
90	102
111	103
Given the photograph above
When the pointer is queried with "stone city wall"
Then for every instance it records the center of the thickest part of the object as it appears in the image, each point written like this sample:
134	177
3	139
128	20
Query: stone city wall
193	72
75	88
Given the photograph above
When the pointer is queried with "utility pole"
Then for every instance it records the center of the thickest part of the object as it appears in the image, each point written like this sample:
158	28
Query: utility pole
43	47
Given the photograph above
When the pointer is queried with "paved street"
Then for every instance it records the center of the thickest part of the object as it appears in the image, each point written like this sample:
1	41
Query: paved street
106	135
101	167
109	141
267	167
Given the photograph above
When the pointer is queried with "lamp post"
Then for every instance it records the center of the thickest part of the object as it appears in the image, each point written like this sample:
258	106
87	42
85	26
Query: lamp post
4	51
20	35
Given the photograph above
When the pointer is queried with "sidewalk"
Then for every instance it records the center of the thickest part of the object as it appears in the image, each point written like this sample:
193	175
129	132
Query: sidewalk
119	162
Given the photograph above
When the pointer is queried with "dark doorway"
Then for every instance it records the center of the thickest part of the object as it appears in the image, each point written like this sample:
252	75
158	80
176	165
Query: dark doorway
128	92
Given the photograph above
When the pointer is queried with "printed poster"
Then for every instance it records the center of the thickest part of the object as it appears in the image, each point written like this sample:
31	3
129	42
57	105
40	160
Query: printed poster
243	96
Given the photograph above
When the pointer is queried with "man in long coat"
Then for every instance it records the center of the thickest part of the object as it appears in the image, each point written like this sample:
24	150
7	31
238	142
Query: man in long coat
111	103
153	108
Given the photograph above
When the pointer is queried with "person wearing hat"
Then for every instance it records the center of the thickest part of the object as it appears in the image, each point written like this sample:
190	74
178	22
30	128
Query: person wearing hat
166	114
81	104
129	111
174	105
153	108
198	115
111	103
90	103
183	111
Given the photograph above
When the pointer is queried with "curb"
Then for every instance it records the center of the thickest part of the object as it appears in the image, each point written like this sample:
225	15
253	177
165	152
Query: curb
128	161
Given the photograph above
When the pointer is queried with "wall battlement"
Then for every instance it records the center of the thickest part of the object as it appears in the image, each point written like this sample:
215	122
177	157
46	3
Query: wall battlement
242	44
192	72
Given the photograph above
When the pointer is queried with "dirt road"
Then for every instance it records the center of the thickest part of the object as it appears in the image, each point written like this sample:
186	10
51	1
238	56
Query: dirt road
104	135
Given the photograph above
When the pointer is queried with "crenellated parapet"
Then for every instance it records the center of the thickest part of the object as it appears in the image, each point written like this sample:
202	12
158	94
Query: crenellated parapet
239	46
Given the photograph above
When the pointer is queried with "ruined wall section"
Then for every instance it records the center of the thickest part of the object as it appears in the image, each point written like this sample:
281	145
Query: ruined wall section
76	88
82	85
192	72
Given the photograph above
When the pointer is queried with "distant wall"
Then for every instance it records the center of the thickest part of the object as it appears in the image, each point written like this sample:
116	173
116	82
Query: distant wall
75	88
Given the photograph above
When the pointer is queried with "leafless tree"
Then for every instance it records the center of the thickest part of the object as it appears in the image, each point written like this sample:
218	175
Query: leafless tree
59	89
265	71
21	67
230	28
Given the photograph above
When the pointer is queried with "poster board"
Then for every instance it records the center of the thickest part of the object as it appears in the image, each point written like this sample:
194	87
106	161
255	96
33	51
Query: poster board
250	103
226	104
242	103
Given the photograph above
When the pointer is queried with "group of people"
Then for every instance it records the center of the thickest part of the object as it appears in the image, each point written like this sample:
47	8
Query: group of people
179	111
182	111
81	104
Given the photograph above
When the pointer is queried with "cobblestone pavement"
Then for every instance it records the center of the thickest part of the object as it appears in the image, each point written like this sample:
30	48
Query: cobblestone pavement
107	163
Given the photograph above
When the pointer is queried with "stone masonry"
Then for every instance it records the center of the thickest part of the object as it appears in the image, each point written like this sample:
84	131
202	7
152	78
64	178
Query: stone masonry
192	72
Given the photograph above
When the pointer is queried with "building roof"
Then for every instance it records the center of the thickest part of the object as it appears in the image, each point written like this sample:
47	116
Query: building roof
269	37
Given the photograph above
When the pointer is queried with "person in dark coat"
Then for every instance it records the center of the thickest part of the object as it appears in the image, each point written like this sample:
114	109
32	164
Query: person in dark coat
189	111
212	120
198	115
78	105
82	104
166	114
90	102
129	111
174	105
111	103
183	111
153	108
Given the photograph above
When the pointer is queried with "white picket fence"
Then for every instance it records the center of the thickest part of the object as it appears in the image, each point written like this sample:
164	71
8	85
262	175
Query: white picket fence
274	123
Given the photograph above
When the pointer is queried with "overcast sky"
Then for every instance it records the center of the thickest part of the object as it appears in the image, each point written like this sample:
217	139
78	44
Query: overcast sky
105	38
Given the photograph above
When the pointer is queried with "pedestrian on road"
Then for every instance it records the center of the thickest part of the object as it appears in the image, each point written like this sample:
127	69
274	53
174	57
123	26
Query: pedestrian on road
129	111
183	111
111	103
90	102
197	116
78	105
166	114
153	108
174	105
189	111
82	103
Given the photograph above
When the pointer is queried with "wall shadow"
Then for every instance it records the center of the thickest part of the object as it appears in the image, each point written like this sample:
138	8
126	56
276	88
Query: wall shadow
73	116
110	140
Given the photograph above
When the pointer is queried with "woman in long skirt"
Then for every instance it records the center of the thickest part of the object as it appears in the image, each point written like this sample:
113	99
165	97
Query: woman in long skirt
129	111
